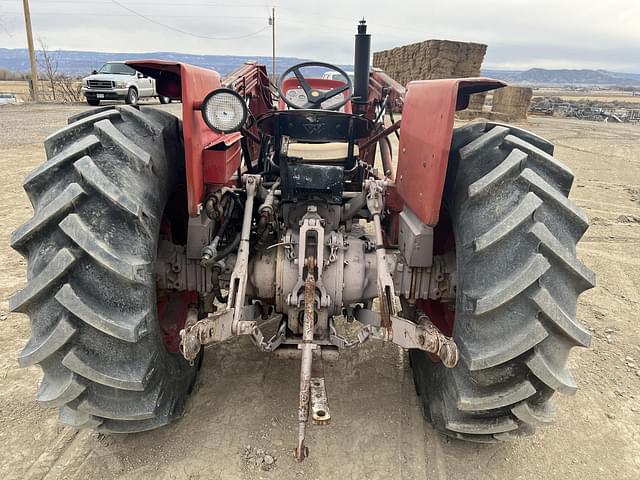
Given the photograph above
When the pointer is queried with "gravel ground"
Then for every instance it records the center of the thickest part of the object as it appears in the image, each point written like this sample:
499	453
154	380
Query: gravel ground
240	422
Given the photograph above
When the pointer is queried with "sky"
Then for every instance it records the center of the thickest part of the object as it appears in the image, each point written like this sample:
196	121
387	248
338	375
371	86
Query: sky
520	34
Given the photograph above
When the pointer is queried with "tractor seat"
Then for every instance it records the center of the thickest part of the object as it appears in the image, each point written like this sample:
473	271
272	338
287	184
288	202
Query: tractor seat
319	152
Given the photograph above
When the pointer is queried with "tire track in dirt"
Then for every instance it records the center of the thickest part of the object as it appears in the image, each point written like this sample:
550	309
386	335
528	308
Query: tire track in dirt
59	455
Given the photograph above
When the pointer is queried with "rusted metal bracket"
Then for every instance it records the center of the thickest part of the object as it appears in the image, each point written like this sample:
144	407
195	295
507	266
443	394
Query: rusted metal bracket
342	341
274	342
196	333
424	336
311	222
217	327
319	402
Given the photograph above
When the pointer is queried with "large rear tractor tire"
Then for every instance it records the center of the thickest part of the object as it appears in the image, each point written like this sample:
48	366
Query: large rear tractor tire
518	281
91	248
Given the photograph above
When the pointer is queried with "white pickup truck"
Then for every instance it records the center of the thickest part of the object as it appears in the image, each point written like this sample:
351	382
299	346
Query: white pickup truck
118	81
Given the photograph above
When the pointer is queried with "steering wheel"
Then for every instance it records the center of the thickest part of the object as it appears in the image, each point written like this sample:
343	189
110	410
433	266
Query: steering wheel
315	97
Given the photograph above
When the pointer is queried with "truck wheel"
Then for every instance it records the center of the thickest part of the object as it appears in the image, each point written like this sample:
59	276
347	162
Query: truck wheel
518	280
91	248
94	102
132	97
164	100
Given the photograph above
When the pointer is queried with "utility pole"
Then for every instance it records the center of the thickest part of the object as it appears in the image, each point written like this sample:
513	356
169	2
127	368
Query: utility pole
272	22
32	54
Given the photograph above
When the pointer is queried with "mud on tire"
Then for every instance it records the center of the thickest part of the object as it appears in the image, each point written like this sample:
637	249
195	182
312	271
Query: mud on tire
90	248
518	283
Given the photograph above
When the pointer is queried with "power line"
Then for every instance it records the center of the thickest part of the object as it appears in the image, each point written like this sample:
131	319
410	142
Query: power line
151	20
295	12
373	24
295	17
129	15
172	4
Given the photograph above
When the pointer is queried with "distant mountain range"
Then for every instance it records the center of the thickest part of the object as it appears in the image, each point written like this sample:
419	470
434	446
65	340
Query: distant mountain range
543	76
76	62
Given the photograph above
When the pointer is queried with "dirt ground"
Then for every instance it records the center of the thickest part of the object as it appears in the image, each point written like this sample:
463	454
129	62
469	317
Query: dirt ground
244	403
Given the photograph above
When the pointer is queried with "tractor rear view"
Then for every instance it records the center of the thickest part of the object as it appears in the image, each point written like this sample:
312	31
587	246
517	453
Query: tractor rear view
154	237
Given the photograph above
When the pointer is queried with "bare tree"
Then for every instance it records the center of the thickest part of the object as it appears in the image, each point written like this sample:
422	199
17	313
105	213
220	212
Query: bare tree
64	88
70	88
49	65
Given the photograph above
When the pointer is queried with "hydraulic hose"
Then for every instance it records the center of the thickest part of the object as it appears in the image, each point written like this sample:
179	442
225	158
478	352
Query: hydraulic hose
210	252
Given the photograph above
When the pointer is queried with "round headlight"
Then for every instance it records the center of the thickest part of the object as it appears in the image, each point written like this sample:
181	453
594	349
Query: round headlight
224	111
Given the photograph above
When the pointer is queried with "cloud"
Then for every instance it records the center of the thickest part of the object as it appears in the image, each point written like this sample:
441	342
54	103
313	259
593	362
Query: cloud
520	33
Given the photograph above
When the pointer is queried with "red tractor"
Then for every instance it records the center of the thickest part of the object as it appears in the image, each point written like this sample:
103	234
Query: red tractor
153	237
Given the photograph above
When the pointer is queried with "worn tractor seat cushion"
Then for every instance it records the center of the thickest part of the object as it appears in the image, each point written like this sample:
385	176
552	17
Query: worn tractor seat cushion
321	152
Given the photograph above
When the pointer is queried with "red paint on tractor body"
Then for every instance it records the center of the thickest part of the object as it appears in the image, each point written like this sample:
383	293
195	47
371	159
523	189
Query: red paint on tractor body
427	127
173	308
221	160
191	84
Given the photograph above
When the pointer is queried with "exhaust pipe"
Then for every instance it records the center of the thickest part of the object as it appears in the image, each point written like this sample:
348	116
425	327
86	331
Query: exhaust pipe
361	67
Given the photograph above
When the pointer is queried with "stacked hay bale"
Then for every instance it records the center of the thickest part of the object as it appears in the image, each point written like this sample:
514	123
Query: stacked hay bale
434	59
431	59
512	102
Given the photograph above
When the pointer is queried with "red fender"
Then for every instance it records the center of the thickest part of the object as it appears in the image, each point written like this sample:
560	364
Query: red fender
425	138
204	164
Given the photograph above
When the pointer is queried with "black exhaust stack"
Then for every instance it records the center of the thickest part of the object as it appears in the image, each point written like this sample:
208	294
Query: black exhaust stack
361	67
